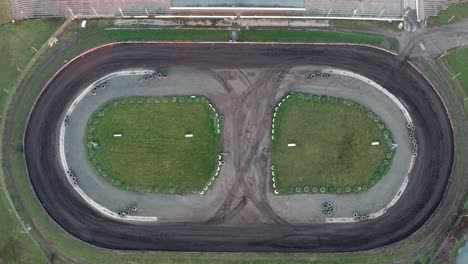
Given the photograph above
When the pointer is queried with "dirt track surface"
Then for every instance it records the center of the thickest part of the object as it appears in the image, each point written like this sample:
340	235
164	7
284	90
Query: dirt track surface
266	231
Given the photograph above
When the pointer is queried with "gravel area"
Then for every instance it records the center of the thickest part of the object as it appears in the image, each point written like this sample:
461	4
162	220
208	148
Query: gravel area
186	81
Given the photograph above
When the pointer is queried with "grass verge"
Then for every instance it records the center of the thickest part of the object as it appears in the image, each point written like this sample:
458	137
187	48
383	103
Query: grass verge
16	47
5	12
333	151
309	36
451	15
357	25
455	69
15	245
153	153
457	60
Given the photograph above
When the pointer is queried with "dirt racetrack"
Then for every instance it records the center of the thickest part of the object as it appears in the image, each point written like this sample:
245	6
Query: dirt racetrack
270	233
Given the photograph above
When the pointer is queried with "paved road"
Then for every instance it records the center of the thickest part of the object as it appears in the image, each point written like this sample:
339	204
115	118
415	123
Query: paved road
425	189
432	42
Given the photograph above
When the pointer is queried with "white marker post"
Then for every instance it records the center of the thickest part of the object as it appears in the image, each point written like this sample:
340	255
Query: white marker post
94	11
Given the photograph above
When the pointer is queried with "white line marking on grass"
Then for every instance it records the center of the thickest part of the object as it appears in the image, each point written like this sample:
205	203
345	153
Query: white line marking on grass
236	8
456	75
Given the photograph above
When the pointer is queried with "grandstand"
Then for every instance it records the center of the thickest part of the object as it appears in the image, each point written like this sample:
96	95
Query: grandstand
358	9
24	9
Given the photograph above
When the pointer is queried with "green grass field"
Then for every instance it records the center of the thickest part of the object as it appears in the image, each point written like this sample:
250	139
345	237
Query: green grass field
153	151
5	12
15	245
458	12
333	146
457	60
359	25
16	46
100	31
309	36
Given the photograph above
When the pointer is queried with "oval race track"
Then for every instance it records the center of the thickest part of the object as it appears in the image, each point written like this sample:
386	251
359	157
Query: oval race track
426	187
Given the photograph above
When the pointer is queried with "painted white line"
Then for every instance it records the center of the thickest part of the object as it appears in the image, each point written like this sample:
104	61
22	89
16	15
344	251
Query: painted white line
456	75
376	85
237	8
408	120
103	210
421	45
71	12
339	220
381	13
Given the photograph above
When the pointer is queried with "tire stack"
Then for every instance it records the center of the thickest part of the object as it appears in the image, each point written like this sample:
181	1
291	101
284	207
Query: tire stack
317	75
327	209
101	85
156	75
130	210
359	218
73	178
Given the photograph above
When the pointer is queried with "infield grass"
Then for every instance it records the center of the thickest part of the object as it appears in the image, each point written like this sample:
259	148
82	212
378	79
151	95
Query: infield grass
333	145
153	151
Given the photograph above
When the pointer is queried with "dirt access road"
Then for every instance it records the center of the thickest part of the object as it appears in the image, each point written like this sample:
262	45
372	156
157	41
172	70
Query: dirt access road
226	229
